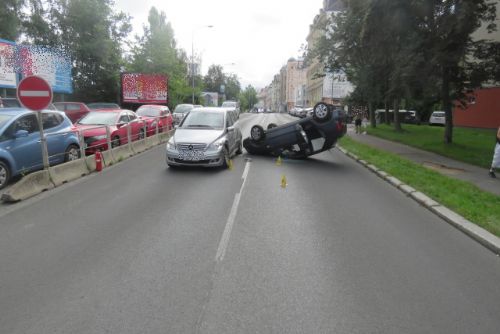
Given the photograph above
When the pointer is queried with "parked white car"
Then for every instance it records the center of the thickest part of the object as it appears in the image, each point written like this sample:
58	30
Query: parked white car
437	117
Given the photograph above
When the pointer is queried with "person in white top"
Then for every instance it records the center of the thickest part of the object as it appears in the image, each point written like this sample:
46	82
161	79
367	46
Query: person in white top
496	156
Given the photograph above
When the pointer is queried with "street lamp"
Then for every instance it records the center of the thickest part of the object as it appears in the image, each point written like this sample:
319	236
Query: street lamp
192	57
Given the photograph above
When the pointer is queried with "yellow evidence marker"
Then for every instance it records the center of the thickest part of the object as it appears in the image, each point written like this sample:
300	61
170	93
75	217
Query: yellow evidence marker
230	164
278	161
283	181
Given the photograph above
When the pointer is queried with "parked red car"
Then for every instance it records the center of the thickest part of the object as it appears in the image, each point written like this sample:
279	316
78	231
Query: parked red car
74	110
93	127
155	115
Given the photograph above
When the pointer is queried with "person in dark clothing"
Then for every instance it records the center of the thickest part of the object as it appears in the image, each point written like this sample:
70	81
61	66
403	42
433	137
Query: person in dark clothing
357	124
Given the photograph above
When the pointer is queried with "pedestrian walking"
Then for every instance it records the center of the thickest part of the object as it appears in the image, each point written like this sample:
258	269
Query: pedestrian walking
496	156
357	124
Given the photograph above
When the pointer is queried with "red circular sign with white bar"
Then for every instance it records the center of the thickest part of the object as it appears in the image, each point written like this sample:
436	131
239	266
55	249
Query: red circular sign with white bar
34	93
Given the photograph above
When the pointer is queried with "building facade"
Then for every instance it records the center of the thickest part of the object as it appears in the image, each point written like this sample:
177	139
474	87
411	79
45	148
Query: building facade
483	107
295	79
320	85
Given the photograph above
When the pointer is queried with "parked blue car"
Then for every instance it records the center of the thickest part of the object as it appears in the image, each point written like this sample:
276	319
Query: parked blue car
20	149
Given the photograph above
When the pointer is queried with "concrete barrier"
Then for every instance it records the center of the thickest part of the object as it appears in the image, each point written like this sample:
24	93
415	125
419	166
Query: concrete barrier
29	186
90	162
68	171
121	153
152	141
164	136
139	146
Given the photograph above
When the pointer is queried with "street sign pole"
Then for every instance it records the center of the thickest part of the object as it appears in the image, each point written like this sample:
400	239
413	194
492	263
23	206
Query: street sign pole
43	140
35	94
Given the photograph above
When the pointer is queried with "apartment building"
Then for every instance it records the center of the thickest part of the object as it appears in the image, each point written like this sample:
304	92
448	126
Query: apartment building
483	107
295	79
320	85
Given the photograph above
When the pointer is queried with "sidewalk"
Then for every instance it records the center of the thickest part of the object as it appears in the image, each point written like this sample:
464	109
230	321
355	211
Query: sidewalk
452	168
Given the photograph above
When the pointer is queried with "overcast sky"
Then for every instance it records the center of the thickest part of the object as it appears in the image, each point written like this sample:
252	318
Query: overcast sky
259	36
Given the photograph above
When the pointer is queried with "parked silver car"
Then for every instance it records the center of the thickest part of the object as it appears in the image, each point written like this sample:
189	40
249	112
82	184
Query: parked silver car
206	137
180	111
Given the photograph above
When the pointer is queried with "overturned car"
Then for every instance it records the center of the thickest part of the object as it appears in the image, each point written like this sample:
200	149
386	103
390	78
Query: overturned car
302	138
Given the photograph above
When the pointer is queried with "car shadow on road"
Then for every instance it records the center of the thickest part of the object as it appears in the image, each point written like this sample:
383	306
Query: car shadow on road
194	170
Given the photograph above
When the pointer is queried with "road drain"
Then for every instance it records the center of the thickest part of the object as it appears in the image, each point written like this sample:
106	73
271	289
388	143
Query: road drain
442	168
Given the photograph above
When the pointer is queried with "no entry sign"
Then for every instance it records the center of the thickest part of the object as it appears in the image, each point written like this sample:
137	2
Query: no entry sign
34	93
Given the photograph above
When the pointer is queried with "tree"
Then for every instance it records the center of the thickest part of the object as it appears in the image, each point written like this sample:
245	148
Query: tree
91	33
445	34
10	19
156	52
248	98
233	87
214	79
39	26
422	49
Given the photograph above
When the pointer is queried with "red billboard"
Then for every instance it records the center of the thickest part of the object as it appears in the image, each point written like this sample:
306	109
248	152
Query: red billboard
144	88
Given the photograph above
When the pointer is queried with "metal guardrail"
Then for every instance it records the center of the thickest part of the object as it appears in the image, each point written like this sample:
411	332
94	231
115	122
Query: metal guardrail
84	147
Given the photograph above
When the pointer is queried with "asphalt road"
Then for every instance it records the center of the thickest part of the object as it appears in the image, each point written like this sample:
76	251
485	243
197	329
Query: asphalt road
140	248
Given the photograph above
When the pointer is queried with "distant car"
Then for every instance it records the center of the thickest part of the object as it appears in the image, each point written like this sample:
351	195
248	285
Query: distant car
9	102
301	113
309	111
118	120
102	105
206	137
232	105
155	116
74	110
180	111
410	117
300	138
20	149
437	118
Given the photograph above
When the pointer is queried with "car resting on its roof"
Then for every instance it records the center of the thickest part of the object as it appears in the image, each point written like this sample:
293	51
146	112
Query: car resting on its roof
302	138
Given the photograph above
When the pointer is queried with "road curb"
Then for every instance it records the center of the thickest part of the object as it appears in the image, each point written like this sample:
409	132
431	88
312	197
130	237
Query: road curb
485	238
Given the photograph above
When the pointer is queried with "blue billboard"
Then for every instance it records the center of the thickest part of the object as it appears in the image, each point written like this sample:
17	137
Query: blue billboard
49	63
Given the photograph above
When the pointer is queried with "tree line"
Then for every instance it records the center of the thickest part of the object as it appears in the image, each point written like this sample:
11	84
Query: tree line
96	37
420	52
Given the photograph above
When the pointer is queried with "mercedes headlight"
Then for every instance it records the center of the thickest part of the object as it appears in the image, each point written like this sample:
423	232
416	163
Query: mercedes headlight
170	145
217	145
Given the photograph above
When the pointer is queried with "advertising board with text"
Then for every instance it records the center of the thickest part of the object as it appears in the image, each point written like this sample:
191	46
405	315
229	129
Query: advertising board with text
49	63
8	76
144	88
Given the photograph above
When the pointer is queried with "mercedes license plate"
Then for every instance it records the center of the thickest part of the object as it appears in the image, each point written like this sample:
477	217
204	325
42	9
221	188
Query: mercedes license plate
192	155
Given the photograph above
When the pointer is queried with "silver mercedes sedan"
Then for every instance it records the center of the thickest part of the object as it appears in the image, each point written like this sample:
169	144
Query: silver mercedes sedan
206	137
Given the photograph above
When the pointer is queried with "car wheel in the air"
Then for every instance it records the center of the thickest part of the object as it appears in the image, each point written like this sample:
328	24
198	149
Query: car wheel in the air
4	174
257	133
321	112
72	153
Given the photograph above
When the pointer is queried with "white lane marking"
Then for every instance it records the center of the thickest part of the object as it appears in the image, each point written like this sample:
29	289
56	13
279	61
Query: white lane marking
224	241
34	93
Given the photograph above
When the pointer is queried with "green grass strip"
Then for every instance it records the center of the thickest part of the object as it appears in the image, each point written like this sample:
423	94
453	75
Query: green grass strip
476	205
473	146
